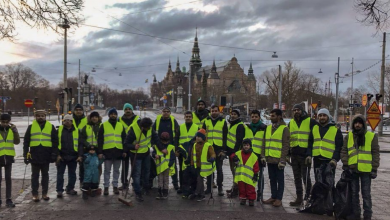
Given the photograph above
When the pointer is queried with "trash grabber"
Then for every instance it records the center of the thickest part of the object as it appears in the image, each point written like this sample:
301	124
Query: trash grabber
24	177
211	192
304	202
123	176
260	199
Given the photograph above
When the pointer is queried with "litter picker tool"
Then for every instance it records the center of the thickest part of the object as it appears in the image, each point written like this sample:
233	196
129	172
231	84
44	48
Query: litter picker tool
260	198
24	177
211	192
304	202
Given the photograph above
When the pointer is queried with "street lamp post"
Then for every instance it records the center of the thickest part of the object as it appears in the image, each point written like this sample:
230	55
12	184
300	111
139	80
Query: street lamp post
189	90
65	26
280	87
336	80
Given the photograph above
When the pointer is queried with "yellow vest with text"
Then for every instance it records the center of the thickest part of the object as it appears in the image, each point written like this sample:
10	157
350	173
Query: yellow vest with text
362	156
215	133
75	135
299	136
325	146
185	135
162	163
206	168
145	142
244	172
7	146
127	127
274	142
112	138
41	137
158	120
82	124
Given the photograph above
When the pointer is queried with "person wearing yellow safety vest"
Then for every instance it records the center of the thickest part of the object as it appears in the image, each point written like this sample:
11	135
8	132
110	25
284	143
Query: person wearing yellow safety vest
167	123
69	154
140	138
89	138
258	129
111	138
9	137
247	172
187	133
164	165
200	114
325	142
217	130
360	156
274	152
235	137
79	119
40	148
127	120
300	127
203	161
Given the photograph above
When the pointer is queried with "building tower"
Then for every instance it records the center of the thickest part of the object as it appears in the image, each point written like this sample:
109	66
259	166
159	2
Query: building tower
195	61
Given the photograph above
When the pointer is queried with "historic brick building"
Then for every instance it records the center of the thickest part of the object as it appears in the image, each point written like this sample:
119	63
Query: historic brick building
225	80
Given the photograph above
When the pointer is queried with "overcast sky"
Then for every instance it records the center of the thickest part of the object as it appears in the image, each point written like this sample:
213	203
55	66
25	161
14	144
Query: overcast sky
310	33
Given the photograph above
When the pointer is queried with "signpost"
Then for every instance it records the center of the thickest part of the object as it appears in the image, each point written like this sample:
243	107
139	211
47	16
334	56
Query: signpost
221	108
28	103
374	115
364	100
314	106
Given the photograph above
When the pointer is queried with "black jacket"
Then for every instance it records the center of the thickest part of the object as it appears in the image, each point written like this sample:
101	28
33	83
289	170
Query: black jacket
166	126
338	142
67	152
224	133
131	137
113	153
7	159
240	134
299	150
41	154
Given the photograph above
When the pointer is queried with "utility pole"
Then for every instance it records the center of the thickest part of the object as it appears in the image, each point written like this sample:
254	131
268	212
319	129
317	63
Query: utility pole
280	87
189	91
336	80
65	26
79	86
382	85
351	102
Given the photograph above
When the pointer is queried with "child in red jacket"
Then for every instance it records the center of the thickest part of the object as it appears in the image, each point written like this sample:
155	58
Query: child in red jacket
247	171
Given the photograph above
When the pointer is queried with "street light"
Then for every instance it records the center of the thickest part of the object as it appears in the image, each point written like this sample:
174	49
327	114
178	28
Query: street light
320	71
189	90
65	26
274	55
351	101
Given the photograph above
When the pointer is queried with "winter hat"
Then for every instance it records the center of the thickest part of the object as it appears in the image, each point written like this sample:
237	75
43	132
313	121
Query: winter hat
166	108
247	141
356	119
201	133
5	117
200	100
127	105
298	106
40	112
165	136
68	117
324	111
112	111
237	111
91	147
94	114
78	106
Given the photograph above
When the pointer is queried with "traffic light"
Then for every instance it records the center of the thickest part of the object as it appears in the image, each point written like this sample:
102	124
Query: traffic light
319	104
369	97
347	118
378	97
61	94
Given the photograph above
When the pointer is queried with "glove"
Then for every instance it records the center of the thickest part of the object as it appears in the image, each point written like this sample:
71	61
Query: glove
58	160
235	159
79	159
308	160
26	161
263	162
181	152
333	163
211	159
281	165
373	174
255	177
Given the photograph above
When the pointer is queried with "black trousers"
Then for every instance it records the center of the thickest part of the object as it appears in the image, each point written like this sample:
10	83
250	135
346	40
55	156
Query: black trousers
317	164
8	181
36	170
300	169
81	172
125	171
175	179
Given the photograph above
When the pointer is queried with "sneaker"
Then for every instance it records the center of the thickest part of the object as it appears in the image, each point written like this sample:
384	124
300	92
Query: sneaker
105	191
35	198
251	202
220	191
139	197
243	202
269	201
59	194
192	196
85	195
93	193
277	203
200	198
116	191
159	194
9	203
165	193
71	192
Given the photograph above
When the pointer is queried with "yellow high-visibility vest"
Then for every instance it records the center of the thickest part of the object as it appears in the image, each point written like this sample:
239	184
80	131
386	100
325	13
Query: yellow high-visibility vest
206	168
82	124
244	172
75	135
363	156
196	120
258	141
41	136
112	138
215	133
185	135
162	163
127	126
274	142
7	146
144	142
299	136
325	146
91	137
158	120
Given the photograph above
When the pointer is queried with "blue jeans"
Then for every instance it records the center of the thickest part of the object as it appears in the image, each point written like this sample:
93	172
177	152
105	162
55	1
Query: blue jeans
141	165
72	165
276	178
365	180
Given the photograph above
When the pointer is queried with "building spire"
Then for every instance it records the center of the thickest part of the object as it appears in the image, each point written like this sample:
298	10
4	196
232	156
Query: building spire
169	65
195	60
250	71
178	66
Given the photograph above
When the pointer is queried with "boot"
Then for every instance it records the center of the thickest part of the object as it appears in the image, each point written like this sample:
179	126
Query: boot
9	203
251	202
214	185
85	195
298	201
277	203
93	192
243	202
139	197
45	197
259	196
220	191
116	191
269	201
234	193
35	198
105	191
159	194
59	194
165	193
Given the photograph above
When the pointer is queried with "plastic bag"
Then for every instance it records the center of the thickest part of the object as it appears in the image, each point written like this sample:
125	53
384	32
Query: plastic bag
343	196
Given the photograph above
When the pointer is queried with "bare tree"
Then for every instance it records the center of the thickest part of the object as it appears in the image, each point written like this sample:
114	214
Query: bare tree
41	14
20	76
374	12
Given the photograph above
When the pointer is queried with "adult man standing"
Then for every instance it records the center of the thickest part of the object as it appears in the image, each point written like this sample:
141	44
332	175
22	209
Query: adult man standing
360	154
140	138
167	123
40	148
217	131
127	120
325	142
79	122
258	129
111	139
9	136
275	150
300	127
200	114
235	137
69	154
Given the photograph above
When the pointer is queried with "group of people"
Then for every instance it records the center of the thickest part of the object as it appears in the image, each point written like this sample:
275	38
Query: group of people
199	146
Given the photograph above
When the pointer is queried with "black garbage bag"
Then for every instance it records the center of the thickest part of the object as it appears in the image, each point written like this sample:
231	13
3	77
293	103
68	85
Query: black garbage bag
343	196
321	198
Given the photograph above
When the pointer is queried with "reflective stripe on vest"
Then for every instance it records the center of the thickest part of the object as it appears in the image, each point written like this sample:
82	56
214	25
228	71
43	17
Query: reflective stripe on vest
7	146
325	146
231	137
273	142
82	124
363	156
215	133
244	172
41	137
184	166
144	142
158	119
206	168
299	136
75	135
257	141
112	138
185	135
91	137
128	126
162	163
196	120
